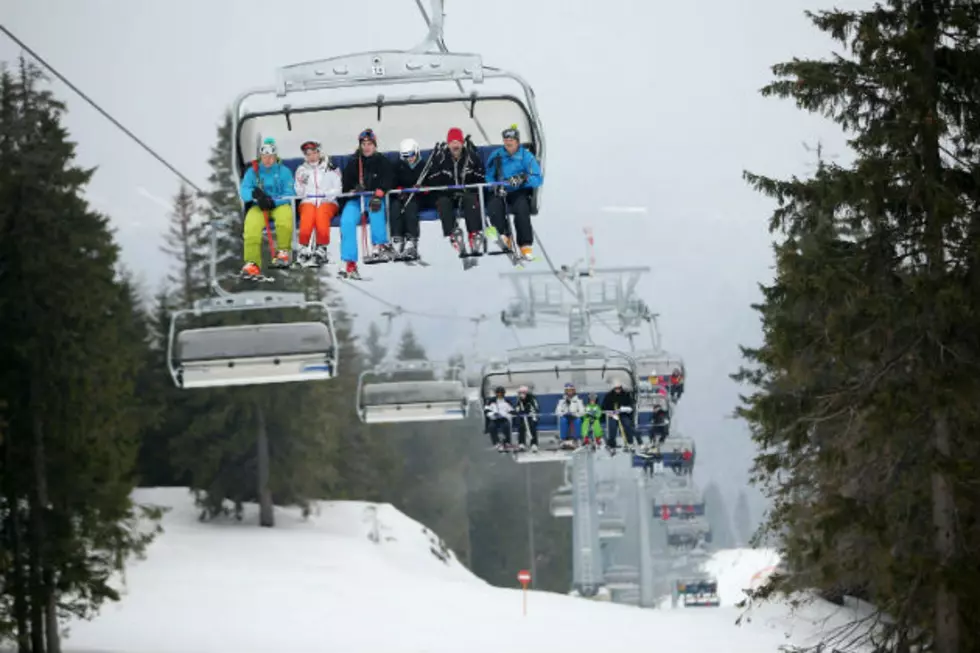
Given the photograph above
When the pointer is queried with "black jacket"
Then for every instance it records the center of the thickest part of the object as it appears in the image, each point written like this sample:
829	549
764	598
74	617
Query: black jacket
447	171
614	401
377	171
528	405
408	177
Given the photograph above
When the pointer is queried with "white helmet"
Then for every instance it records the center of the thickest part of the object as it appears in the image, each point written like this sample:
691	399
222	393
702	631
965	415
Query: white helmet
409	149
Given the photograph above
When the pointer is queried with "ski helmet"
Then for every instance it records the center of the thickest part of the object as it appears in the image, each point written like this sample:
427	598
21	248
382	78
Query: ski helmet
500	390
268	146
409	149
511	132
617	384
523	390
569	386
311	145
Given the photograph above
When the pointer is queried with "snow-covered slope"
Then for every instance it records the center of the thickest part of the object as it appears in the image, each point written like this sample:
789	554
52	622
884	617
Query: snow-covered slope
325	585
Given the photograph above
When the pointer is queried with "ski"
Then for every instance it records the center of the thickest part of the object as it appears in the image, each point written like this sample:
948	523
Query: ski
257	278
343	276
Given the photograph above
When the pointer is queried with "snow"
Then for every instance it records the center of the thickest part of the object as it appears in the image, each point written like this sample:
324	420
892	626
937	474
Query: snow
323	585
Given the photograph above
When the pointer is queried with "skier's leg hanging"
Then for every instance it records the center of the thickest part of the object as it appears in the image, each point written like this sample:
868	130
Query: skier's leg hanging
349	218
252	236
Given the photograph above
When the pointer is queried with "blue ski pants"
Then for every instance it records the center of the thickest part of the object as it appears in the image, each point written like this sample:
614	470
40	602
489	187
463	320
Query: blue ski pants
350	217
569	425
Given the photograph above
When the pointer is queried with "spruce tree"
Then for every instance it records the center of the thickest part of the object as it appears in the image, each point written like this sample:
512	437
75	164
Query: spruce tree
72	343
864	405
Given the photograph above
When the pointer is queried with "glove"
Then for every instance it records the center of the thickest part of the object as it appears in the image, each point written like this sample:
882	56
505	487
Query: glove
517	180
257	194
303	177
626	409
359	188
500	191
375	204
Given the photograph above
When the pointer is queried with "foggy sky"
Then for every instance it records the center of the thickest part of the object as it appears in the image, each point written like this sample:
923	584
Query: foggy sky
644	103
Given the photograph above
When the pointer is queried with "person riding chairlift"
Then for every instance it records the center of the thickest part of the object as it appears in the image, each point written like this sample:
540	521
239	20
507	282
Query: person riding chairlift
592	423
459	166
522	172
570	411
618	404
266	182
367	171
498	412
318	184
410	172
527	412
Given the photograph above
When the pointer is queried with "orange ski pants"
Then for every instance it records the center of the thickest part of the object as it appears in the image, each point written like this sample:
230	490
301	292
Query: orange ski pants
319	217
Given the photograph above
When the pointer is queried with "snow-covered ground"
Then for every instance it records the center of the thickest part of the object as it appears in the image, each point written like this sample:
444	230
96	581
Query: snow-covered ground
323	584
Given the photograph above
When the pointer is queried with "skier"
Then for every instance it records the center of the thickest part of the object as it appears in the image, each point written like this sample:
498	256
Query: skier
569	411
368	170
676	384
661	425
318	183
264	185
618	404
522	172
527	413
498	412
404	209
592	423
458	167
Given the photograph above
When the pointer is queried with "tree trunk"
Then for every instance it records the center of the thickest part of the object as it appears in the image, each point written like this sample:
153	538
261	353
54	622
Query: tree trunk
51	611
41	591
266	513
14	531
944	521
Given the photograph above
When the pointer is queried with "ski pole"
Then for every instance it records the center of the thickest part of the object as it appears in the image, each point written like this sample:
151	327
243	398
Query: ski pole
268	236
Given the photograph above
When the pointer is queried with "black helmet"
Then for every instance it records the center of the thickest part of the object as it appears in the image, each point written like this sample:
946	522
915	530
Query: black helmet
500	390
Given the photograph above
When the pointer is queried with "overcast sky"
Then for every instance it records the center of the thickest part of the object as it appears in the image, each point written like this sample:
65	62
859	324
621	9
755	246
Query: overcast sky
645	103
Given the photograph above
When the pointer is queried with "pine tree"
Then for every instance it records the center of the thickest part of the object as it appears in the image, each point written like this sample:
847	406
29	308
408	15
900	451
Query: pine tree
864	409
72	342
184	241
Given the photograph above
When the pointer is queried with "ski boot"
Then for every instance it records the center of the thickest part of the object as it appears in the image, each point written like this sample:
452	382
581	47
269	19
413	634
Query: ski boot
568	445
459	243
477	242
251	272
527	253
534	448
321	256
397	247
304	257
281	259
379	254
411	251
349	271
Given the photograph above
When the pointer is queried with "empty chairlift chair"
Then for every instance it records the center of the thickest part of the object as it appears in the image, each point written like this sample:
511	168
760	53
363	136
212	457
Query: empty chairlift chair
251	354
412	391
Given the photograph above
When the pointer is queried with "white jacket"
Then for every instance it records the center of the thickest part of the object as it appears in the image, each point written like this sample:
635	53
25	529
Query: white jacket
573	407
318	179
498	409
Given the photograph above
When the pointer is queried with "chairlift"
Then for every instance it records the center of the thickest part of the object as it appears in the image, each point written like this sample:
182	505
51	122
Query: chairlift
685	534
351	92
680	501
412	391
698	592
546	369
252	354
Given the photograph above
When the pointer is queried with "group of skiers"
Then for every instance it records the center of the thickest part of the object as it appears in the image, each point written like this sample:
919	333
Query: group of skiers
579	423
269	187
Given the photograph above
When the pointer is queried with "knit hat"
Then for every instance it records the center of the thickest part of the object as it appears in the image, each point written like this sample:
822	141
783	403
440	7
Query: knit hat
455	134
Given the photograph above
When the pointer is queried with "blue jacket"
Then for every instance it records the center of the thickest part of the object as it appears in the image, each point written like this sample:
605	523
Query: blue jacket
522	161
277	182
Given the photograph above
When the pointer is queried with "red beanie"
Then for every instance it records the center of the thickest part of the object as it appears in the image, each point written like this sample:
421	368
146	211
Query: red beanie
455	134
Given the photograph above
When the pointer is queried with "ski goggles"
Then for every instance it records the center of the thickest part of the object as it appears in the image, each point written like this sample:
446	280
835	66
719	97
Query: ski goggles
367	135
511	132
407	156
268	148
310	146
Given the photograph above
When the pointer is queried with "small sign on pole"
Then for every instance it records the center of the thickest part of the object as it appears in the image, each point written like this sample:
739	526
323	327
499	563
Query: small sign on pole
524	576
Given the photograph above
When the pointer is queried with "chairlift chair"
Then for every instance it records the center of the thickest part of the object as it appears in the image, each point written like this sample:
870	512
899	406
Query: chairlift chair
252	354
545	369
684	500
388	395
351	92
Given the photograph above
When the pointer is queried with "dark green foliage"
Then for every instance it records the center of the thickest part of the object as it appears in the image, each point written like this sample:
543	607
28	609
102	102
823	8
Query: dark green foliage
73	341
864	407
